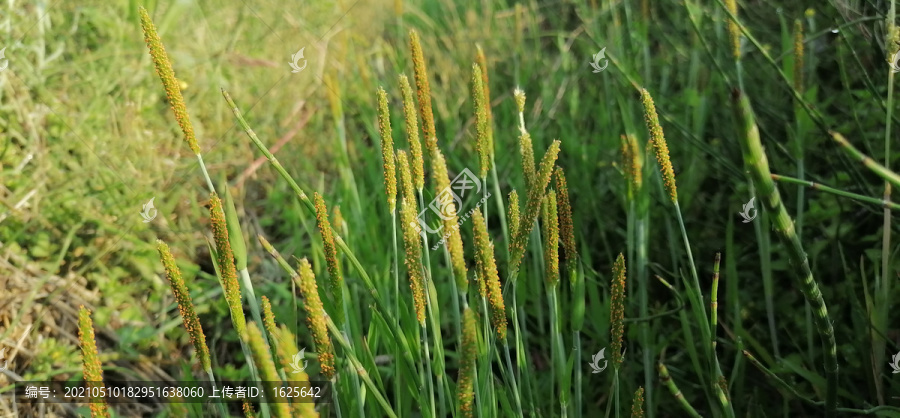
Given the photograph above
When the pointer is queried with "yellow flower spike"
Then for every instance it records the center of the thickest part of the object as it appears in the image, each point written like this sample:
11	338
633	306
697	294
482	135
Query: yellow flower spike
633	162
482	143
527	150
268	316
225	260
286	350
90	361
467	373
484	252
451	222
315	317
387	150
263	359
637	410
412	134
513	214
482	62
617	310
566	224
331	258
734	31
798	56
423	91
185	305
170	83
413	245
659	144
406	182
532	208
551	239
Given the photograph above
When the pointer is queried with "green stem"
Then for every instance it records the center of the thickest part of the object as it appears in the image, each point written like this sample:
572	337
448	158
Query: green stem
380	305
512	380
348	350
837	192
397	369
558	353
756	162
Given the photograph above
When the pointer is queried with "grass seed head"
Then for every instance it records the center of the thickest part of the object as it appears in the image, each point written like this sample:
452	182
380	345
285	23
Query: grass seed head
481	122
406	185
226	263
527	150
798	56
413	244
482	62
532	207
466	380
551	239
262	356
617	310
637	404
247	408
734	31
185	305
412	134
170	83
331	258
633	163
566	224
659	144
315	318
519	96
90	361
450	220
268	317
387	150
423	91
484	250
285	348
513	213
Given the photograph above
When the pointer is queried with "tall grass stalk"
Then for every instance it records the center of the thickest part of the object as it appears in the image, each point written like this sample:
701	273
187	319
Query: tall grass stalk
755	160
617	324
390	187
380	304
695	293
320	324
884	280
550	220
637	242
576	281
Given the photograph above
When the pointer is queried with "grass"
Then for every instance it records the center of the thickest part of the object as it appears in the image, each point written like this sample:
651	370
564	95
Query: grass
737	101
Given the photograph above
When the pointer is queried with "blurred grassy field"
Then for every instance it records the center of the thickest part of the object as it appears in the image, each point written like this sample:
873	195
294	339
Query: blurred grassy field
88	138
